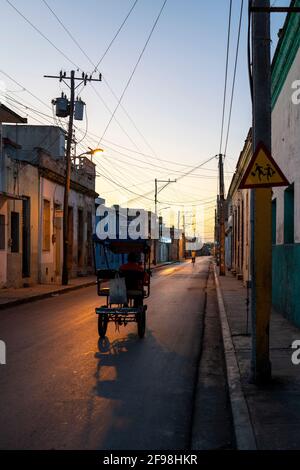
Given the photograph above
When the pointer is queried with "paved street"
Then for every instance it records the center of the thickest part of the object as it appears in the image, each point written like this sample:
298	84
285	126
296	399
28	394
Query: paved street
61	388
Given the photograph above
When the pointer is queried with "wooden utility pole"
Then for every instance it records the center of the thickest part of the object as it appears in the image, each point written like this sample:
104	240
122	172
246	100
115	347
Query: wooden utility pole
72	79
261	198
65	272
222	216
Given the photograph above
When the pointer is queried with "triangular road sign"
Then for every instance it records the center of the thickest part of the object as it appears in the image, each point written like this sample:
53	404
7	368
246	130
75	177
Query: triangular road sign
262	171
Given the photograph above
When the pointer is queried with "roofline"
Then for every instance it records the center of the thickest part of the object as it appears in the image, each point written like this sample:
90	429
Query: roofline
19	119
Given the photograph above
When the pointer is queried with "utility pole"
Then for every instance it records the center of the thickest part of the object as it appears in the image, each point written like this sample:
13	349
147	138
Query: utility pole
222	216
261	198
69	112
65	273
156	192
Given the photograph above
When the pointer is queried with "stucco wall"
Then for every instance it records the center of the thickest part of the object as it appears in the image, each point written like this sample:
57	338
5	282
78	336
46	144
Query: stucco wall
286	148
286	151
22	181
54	193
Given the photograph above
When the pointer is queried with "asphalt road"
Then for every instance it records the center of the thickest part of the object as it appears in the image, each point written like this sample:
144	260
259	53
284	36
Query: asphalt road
64	389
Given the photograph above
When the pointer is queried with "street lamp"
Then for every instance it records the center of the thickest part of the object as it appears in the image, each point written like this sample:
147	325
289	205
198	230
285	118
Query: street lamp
92	152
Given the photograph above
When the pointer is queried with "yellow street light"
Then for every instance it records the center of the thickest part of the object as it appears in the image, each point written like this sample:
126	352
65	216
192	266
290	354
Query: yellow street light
92	152
95	152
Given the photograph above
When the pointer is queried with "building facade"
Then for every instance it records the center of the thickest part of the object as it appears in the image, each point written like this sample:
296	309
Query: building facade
31	218
238	230
286	151
285	200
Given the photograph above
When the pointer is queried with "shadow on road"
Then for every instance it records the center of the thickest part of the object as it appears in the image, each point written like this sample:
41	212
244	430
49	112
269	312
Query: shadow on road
150	390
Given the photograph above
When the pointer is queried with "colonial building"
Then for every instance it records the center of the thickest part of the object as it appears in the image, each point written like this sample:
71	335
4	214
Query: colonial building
286	151
286	200
32	242
6	116
237	241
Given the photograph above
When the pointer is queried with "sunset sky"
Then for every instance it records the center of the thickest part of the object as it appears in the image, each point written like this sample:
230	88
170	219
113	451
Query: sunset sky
171	113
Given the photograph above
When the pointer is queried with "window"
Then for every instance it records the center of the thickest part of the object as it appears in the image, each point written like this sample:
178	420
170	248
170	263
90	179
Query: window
80	227
2	232
289	214
46	226
15	231
274	212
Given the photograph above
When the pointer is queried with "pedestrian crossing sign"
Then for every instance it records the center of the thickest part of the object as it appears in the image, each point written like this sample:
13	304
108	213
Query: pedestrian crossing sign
263	171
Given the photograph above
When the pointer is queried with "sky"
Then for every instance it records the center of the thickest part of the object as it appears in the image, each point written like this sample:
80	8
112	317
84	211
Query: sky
170	119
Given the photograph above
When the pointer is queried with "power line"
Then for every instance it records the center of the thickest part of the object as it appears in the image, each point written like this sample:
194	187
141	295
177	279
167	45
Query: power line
75	64
132	121
234	75
116	35
123	187
182	204
143	154
104	79
42	34
189	172
56	48
25	89
153	165
133	71
78	44
226	75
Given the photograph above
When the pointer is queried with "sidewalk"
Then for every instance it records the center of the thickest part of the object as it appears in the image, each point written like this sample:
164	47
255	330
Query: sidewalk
274	409
11	297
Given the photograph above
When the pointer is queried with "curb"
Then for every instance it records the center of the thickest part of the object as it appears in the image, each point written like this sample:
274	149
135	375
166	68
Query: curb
244	433
44	295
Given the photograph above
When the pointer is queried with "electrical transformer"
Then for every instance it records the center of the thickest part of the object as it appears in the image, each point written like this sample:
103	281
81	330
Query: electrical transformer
62	106
79	109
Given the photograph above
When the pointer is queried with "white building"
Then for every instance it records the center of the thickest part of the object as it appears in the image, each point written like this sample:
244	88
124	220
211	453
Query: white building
32	243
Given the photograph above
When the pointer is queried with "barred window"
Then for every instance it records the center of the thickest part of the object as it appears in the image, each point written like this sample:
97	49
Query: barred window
15	231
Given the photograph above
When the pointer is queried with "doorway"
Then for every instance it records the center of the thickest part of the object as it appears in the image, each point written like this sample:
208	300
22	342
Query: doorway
80	238
26	251
57	227
70	238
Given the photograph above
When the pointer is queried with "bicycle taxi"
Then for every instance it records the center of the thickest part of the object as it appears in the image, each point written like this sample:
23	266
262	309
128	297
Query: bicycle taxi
123	288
